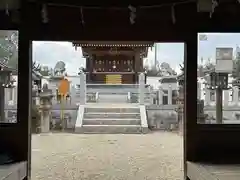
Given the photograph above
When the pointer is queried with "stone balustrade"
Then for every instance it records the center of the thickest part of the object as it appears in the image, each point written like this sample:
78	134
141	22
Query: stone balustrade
230	97
135	93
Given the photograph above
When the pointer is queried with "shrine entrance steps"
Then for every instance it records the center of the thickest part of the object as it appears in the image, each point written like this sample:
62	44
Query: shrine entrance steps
111	119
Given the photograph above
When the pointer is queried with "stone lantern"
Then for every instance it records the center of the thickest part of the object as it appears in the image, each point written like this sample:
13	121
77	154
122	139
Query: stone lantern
45	108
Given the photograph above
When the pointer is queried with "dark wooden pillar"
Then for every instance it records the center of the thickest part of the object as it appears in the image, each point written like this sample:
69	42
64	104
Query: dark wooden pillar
2	104
91	60
190	97
25	85
88	69
137	60
136	64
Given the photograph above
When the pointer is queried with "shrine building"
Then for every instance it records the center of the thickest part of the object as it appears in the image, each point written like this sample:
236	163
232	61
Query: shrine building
114	62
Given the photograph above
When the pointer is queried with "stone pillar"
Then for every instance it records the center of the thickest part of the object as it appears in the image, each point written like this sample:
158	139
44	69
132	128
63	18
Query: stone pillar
83	88
235	95
141	88
225	97
45	109
170	95
160	97
45	121
207	96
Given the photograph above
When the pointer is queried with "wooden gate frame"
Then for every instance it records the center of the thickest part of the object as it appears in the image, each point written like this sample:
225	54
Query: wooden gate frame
200	141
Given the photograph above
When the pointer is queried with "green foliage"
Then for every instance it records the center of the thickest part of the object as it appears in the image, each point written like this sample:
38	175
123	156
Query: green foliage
45	72
160	71
9	48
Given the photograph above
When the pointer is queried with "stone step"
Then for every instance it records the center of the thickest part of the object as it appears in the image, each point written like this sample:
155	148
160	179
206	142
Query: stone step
109	129
111	115
119	98
100	121
111	110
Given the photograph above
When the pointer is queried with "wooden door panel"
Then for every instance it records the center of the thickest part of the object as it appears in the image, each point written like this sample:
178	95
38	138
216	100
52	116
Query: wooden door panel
128	79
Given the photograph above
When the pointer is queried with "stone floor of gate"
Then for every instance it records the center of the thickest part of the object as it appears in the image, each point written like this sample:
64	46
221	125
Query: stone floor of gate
63	156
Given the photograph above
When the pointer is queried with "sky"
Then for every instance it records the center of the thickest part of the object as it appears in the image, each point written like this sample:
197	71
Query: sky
49	53
207	49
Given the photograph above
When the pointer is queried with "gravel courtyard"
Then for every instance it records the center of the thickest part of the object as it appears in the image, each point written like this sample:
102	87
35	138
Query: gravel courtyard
64	156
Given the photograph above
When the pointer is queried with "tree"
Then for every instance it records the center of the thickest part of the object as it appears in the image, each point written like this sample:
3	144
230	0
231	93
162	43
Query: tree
160	70
201	72
9	48
45	71
209	67
59	68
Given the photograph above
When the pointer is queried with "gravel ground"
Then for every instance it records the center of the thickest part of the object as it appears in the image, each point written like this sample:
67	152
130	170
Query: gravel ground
154	156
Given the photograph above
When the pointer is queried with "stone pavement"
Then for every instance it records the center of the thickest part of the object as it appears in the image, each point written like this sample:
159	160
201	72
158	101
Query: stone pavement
62	156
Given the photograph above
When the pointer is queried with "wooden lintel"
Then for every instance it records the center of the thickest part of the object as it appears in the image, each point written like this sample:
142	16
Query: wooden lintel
113	43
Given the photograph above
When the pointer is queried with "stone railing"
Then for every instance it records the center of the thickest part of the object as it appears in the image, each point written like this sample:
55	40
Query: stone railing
122	93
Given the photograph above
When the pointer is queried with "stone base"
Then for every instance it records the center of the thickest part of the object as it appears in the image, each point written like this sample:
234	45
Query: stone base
145	130
110	129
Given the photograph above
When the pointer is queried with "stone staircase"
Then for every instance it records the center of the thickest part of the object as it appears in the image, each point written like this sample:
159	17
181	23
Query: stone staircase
112	120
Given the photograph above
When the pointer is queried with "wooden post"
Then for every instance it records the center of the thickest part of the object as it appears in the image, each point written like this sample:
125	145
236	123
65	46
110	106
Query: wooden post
24	102
190	131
